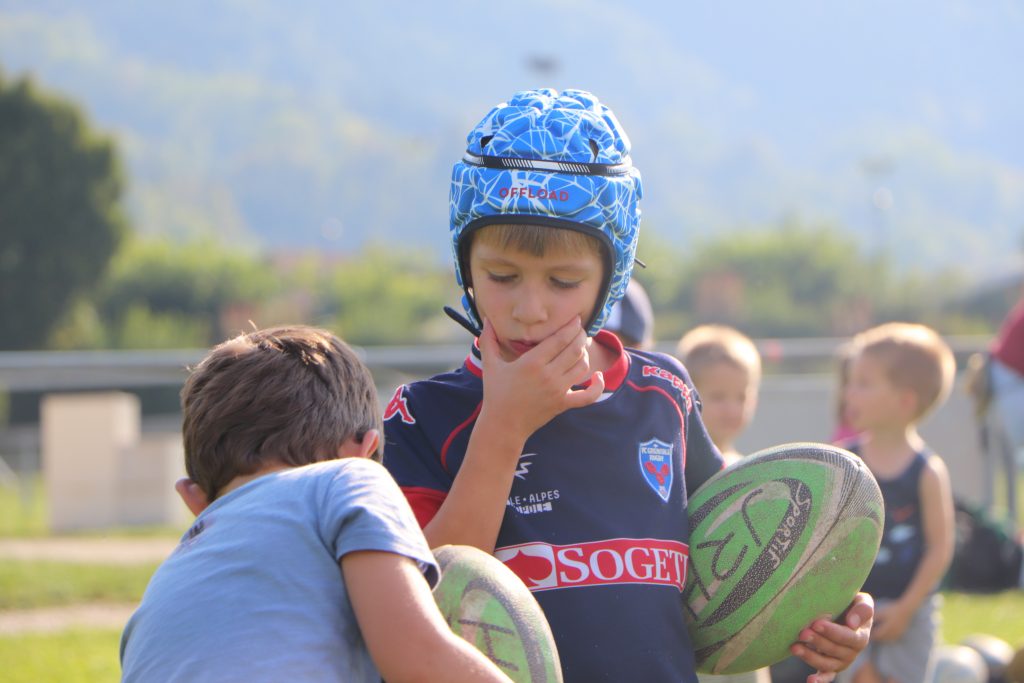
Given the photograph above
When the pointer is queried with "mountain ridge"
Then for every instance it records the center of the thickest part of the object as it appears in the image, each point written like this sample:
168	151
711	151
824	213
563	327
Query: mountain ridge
329	126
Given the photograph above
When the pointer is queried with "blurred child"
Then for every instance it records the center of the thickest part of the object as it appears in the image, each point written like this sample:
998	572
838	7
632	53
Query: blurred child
632	318
900	372
1006	374
566	455
304	563
843	430
725	366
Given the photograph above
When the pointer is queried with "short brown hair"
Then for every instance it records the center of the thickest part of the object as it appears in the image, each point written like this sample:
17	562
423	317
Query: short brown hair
535	239
708	345
289	394
914	357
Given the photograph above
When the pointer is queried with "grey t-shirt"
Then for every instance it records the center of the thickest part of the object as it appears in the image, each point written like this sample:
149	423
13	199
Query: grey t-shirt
254	591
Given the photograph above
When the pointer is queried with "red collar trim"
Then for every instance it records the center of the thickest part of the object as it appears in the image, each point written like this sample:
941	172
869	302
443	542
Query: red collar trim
613	376
473	362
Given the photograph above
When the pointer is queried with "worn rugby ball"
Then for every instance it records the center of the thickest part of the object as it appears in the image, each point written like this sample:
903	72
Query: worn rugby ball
777	539
486	604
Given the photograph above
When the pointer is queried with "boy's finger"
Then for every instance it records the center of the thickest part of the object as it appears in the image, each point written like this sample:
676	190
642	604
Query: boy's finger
574	359
821	663
488	342
584	397
563	337
821	678
860	612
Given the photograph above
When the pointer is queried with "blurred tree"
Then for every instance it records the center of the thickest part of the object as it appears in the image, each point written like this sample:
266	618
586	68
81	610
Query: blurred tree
388	296
60	212
783	282
162	294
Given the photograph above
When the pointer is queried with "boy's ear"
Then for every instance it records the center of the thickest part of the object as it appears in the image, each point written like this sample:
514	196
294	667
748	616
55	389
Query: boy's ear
195	498
354	448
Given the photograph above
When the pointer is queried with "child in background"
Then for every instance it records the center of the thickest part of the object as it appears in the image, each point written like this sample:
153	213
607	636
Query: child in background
305	563
843	430
899	372
631	319
726	369
568	457
1006	373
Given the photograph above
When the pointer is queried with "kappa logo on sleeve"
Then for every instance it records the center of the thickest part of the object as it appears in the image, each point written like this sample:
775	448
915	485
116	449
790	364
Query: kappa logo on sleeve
398	406
675	381
652	561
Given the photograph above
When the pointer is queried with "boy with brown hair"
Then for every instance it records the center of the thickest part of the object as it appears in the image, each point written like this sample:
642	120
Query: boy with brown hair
304	562
553	447
900	372
725	366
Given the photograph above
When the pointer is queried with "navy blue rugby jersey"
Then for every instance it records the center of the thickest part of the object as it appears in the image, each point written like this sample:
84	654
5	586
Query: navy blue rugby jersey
596	522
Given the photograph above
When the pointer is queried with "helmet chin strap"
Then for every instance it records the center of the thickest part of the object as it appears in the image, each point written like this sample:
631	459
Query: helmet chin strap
462	320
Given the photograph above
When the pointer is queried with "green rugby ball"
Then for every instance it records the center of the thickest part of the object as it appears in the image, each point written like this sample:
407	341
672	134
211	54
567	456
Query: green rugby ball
777	539
486	604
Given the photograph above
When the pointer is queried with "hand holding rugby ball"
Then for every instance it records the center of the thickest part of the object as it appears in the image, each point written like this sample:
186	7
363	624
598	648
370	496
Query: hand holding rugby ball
778	539
486	604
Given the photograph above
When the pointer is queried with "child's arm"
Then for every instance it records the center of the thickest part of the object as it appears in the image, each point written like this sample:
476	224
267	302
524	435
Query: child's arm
829	647
405	633
937	517
520	397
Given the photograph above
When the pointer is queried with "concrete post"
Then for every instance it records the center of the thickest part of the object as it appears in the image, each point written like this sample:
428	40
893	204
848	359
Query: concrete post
84	437
146	487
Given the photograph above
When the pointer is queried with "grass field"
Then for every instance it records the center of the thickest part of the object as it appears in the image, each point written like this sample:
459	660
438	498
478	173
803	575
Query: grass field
999	614
78	656
25	585
23	515
23	509
91	655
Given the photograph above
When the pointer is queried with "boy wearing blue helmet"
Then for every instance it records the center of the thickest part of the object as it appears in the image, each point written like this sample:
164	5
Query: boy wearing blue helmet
568	457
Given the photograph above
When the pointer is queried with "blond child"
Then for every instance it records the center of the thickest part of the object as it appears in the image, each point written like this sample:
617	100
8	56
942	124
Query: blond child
899	373
842	430
304	563
725	366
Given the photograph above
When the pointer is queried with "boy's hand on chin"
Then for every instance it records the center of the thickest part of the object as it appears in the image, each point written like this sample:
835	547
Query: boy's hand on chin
528	392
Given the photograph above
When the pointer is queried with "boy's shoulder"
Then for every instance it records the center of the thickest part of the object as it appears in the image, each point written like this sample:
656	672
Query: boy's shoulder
317	476
653	365
650	358
338	466
933	460
352	468
465	380
467	375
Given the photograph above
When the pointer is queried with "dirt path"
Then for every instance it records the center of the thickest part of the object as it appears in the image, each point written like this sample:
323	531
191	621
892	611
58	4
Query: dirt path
88	550
55	619
82	551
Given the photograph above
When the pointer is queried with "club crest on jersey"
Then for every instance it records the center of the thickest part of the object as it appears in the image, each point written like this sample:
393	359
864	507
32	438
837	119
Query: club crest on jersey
656	466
